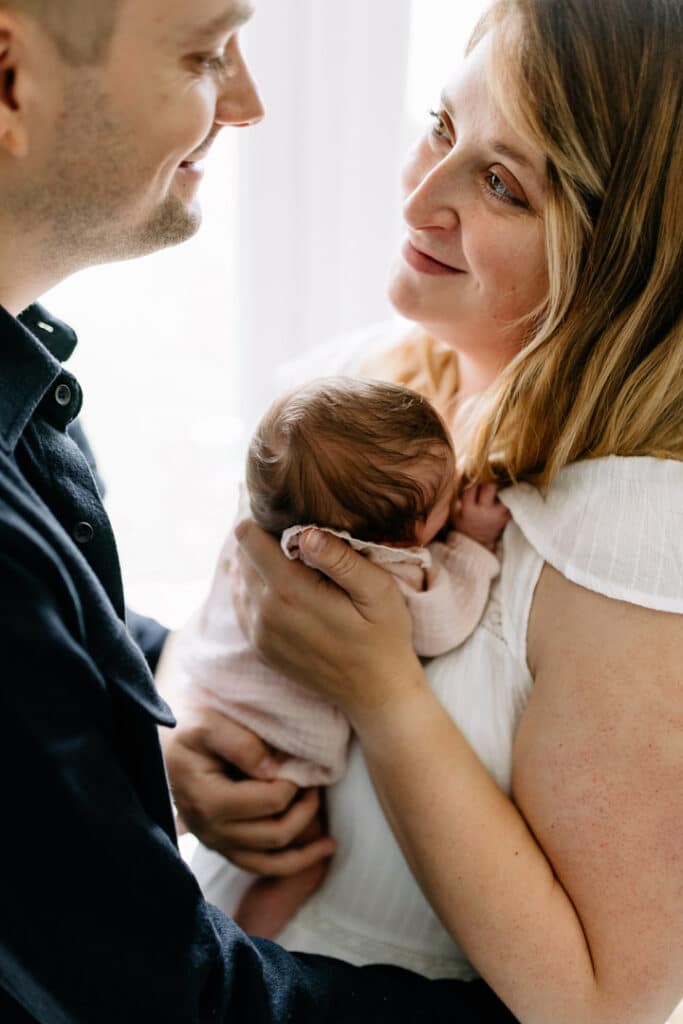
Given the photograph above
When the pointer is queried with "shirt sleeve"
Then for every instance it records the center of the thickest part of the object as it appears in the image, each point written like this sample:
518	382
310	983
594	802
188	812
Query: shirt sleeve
614	525
101	919
149	635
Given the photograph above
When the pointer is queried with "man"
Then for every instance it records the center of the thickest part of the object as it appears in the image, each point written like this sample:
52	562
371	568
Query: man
107	110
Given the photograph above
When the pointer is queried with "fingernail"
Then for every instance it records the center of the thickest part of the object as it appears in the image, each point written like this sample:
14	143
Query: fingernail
314	541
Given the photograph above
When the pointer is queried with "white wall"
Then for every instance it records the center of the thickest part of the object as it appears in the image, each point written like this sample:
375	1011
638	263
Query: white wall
319	197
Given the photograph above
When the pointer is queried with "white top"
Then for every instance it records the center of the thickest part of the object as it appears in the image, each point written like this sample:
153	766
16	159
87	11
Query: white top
613	525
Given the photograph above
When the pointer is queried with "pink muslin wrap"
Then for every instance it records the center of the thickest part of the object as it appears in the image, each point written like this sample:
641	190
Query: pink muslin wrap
446	586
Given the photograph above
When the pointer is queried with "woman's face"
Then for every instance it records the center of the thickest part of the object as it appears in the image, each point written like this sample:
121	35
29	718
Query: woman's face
473	259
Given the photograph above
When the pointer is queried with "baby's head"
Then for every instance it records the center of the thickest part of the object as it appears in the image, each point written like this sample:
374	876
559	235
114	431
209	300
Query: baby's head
372	458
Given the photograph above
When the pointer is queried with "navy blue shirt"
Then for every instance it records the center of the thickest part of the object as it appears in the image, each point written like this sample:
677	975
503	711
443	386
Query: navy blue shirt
101	921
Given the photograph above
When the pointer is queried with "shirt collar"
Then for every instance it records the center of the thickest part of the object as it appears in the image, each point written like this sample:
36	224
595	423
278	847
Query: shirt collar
31	374
57	337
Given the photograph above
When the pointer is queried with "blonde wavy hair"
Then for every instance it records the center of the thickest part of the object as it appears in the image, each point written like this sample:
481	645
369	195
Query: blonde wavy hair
597	85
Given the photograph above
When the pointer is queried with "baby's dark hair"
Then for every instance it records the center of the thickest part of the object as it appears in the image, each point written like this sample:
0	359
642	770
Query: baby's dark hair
342	452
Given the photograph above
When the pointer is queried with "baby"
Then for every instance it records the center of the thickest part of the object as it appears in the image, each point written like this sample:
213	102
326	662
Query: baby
373	463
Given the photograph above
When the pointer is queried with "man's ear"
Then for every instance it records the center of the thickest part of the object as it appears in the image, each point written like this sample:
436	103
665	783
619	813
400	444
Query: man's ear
13	129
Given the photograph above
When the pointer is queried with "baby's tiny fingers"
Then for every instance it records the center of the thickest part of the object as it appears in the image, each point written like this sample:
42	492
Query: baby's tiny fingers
488	494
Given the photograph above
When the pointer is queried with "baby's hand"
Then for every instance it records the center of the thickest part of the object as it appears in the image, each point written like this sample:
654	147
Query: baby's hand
479	513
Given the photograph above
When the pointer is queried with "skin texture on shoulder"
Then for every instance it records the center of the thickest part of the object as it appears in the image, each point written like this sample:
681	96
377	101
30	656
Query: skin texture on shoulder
609	672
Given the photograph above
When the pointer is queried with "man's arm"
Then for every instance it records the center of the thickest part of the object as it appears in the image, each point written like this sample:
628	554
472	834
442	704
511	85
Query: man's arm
102	920
149	635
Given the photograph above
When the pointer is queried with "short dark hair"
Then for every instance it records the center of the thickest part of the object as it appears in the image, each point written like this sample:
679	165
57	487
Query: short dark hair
342	452
80	29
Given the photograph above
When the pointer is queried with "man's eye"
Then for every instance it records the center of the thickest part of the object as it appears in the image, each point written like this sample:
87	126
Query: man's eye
217	64
439	128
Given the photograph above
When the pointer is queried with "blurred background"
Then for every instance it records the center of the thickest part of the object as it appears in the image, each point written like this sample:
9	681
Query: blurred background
302	220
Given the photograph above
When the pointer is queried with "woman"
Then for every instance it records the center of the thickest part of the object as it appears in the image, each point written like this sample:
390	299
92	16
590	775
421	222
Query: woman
544	823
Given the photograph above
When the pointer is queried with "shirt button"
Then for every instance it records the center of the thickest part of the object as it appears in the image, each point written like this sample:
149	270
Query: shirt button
62	394
83	533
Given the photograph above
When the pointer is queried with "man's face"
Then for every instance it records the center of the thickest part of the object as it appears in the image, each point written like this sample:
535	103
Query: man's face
124	164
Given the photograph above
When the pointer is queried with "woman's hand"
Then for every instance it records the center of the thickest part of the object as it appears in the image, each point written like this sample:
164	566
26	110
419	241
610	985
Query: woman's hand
224	786
345	634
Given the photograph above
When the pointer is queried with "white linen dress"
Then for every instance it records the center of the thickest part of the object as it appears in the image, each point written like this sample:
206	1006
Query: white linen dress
613	525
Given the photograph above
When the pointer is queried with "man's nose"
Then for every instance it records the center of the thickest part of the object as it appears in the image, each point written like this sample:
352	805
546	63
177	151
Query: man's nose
239	103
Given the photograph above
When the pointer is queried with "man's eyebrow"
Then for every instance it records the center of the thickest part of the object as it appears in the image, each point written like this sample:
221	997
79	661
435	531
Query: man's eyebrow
235	16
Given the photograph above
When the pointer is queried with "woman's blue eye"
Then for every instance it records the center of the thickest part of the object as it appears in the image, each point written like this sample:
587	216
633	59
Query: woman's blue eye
497	187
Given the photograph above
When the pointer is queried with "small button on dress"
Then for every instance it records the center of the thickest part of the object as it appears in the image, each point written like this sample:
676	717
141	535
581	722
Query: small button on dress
62	394
83	533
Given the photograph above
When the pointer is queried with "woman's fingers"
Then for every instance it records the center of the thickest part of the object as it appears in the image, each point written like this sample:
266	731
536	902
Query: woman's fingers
362	581
265	563
344	631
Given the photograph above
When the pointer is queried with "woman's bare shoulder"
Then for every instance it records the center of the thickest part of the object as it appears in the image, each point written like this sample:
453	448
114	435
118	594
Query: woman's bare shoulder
598	775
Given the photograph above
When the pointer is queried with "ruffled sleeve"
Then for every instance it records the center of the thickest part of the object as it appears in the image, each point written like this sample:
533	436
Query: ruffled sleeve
613	525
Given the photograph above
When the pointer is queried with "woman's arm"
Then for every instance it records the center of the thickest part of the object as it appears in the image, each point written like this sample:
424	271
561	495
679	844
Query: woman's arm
570	907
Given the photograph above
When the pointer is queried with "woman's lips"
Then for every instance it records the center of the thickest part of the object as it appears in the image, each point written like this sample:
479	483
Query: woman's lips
425	264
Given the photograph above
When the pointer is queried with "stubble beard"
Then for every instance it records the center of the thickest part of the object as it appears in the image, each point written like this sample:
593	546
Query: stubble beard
84	207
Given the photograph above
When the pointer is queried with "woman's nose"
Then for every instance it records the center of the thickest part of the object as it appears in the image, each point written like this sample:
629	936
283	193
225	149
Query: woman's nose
239	102
432	203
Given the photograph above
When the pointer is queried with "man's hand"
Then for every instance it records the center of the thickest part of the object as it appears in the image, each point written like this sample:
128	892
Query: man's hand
223	781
